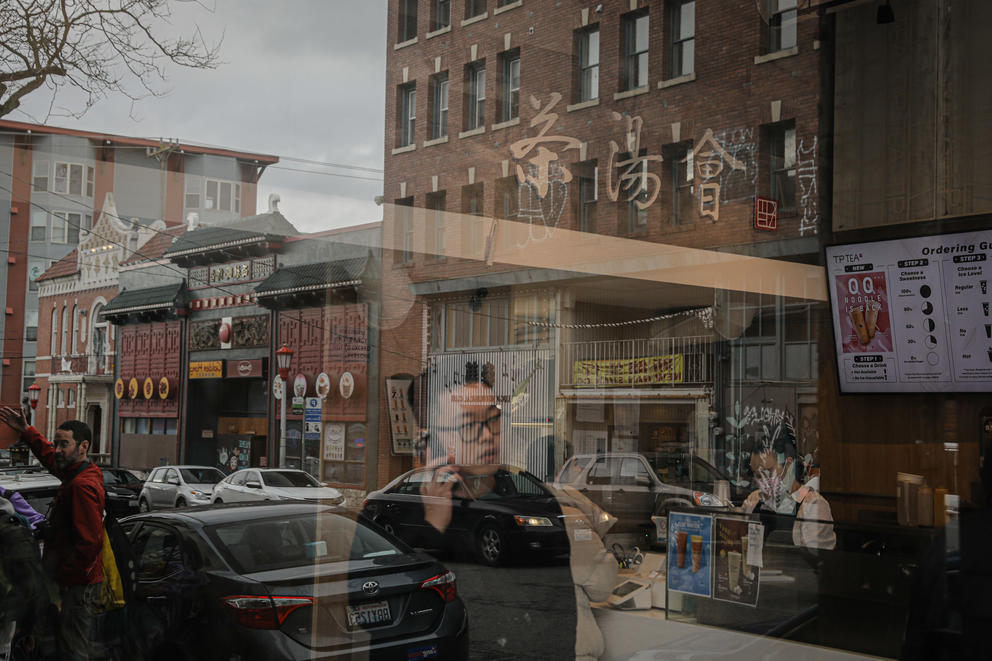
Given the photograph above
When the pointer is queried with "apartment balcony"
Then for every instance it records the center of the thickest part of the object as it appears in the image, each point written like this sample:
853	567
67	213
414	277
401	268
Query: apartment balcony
669	362
83	364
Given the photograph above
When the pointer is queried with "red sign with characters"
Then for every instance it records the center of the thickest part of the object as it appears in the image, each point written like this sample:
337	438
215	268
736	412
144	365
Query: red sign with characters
765	214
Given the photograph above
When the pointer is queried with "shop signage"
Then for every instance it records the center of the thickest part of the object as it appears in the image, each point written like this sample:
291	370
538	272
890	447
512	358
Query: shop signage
765	214
165	389
148	388
277	387
244	369
334	441
401	421
298	406
300	385
206	369
347	385
119	388
224	333
311	419
629	371
323	385
132	388
215	302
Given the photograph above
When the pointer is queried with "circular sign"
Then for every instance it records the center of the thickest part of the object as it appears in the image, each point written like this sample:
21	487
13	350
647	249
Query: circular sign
277	387
225	332
164	388
119	388
347	385
244	367
300	385
148	388
323	385
132	388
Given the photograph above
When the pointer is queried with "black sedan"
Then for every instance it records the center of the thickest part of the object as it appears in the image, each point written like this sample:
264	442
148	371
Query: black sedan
286	580
498	512
123	488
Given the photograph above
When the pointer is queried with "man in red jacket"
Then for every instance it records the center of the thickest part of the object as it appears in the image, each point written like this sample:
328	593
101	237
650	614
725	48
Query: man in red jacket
72	553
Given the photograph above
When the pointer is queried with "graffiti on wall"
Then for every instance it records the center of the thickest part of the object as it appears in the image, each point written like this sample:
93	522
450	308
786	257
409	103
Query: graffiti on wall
806	175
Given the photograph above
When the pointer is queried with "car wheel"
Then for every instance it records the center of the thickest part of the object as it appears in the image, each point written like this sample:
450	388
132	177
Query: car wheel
181	503
490	545
143	506
218	502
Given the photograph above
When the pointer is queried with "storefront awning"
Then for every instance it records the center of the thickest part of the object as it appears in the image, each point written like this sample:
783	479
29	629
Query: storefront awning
312	278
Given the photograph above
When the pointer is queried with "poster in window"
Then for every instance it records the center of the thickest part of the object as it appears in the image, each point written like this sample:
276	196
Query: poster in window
690	553
333	441
734	579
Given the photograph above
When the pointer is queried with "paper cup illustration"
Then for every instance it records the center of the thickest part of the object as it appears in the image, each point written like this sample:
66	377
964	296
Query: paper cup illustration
734	568
697	552
871	317
857	313
680	540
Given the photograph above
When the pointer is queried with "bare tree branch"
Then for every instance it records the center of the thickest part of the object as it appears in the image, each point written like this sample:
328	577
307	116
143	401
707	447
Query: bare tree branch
101	47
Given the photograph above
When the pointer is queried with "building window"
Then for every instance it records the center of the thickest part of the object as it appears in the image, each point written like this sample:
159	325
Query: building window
587	56
510	83
507	202
66	226
404	226
39	225
61	397
442	14
475	102
41	172
635	50
194	188
782	166
70	397
782	17
31	325
408	20
474	8
436	203
69	178
89	181
53	347
408	113
439	105
28	372
472	228
634	219
472	323
586	176
221	196
65	330
352	469
682	28
679	168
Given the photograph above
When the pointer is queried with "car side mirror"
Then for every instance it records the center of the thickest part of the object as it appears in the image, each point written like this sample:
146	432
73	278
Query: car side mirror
253	484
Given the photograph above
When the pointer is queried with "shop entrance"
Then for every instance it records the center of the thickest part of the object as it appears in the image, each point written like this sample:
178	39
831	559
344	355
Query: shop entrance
227	421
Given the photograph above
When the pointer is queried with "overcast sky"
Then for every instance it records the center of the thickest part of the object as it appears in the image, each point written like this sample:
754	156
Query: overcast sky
301	79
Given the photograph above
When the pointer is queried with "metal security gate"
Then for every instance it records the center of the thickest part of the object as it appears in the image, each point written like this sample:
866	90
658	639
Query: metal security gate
523	383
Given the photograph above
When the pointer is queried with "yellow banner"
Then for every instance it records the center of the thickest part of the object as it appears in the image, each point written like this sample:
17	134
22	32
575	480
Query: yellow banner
629	371
207	369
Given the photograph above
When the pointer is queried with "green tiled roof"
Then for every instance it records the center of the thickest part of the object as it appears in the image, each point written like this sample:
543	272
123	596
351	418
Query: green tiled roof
313	277
142	300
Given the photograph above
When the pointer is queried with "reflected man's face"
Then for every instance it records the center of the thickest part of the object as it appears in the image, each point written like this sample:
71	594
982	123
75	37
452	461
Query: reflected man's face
469	425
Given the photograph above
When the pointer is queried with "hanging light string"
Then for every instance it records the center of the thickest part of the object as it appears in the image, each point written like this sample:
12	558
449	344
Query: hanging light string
704	314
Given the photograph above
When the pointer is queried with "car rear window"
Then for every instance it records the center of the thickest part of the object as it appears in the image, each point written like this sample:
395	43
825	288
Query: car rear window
571	471
202	475
296	541
288	479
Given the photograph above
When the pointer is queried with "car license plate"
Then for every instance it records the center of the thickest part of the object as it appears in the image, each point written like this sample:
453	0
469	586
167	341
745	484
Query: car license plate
366	614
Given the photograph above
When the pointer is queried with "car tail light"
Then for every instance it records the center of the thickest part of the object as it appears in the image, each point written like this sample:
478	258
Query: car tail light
443	584
257	612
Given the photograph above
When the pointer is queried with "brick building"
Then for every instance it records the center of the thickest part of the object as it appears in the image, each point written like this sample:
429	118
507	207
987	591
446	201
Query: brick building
535	149
54	183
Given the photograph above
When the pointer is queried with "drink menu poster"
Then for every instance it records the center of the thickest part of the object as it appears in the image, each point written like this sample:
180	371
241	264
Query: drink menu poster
690	553
912	315
734	580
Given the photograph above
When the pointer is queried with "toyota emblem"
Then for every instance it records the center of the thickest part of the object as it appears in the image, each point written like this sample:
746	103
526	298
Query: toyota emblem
370	587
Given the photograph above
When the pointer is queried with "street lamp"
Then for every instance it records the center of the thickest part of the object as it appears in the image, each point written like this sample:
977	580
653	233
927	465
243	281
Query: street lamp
283	357
34	392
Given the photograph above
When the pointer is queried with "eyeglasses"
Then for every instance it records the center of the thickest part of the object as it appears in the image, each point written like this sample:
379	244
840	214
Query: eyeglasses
62	444
471	432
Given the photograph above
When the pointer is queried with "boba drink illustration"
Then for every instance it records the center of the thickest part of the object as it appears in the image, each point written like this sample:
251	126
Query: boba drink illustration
864	320
857	313
872	309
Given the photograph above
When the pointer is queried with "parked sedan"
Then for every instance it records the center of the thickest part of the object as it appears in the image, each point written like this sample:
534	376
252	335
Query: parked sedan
178	486
287	580
253	484
123	488
514	514
625	485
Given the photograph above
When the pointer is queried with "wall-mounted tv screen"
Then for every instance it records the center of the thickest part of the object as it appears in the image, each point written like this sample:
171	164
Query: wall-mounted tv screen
912	315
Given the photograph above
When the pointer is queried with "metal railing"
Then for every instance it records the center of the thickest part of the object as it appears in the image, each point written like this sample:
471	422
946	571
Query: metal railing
88	364
649	362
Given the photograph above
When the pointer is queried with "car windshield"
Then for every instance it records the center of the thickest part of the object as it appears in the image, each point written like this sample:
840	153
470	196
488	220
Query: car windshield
295	541
201	475
289	479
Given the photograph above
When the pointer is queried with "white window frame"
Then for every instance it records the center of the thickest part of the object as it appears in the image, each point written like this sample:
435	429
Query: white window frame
231	201
67	180
53	347
65	331
636	54
408	114
510	106
193	183
782	13
35	177
36	216
68	221
588	58
476	95
440	90
682	43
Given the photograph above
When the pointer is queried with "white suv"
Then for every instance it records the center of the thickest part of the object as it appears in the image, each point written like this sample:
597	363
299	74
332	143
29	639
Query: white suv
178	486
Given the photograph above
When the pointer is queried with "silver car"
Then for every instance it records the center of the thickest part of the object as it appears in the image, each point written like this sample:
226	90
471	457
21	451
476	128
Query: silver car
255	484
178	486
